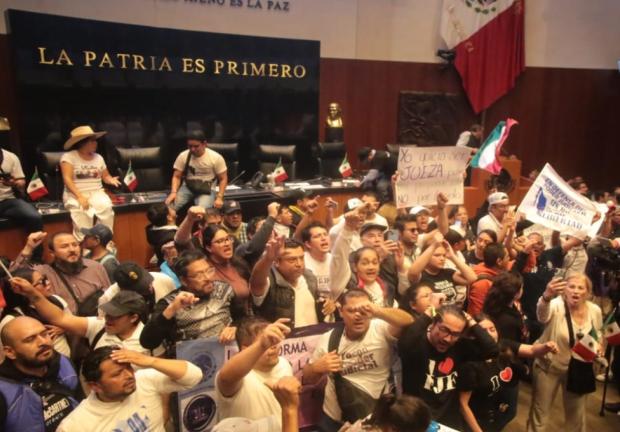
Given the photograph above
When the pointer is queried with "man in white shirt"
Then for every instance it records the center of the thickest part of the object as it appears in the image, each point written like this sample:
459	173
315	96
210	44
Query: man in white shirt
122	399
282	287
241	385
317	256
360	354
498	220
11	178
121	325
194	165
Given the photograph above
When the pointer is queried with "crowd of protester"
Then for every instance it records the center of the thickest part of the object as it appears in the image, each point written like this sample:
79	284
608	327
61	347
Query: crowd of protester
469	306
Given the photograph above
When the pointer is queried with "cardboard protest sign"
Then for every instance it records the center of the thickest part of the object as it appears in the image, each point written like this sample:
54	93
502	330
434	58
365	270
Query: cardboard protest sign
426	171
551	202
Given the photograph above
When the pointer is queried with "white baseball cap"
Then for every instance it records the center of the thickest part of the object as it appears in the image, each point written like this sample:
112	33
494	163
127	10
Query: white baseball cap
418	209
498	198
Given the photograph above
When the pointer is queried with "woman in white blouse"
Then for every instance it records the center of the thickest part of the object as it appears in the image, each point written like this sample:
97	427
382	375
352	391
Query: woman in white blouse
83	171
550	373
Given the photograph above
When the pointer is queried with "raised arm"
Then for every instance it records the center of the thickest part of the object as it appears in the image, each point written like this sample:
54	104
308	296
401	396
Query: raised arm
256	245
339	268
177	370
396	318
184	233
259	279
442	214
222	182
49	311
465	274
420	263
230	377
554	288
308	217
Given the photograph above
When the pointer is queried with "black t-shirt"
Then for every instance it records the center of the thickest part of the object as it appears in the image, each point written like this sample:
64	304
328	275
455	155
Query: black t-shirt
487	380
384	162
471	258
442	282
432	375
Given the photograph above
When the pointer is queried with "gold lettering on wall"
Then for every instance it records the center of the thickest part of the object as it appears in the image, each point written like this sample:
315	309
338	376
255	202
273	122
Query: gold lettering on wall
123	57
89	56
257	71
106	61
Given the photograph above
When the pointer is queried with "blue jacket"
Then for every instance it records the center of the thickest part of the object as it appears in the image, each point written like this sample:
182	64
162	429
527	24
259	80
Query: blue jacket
24	408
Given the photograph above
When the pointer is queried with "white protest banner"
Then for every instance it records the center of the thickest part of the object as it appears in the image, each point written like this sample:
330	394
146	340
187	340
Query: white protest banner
423	172
551	202
197	407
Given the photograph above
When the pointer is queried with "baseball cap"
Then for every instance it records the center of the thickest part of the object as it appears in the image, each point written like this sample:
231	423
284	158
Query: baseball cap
418	209
239	424
231	206
298	194
130	276
371	225
100	231
123	303
497	198
353	203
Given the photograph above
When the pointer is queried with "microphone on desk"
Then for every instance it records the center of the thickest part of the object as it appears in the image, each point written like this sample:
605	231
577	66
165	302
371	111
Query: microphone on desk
232	182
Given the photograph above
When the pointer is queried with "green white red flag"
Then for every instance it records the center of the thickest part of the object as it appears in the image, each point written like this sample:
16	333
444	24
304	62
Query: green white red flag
279	173
612	330
345	167
36	189
587	347
487	157
130	178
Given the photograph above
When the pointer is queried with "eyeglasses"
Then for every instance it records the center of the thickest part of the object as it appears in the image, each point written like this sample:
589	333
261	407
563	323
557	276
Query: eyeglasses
204	274
222	241
445	332
43	281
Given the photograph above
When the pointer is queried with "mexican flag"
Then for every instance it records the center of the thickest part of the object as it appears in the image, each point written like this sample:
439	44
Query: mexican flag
130	178
345	167
487	158
279	174
36	189
612	330
487	38
587	346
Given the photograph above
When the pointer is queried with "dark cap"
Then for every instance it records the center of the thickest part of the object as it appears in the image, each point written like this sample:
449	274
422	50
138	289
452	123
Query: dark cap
130	276
196	134
230	207
100	231
372	225
363	153
123	303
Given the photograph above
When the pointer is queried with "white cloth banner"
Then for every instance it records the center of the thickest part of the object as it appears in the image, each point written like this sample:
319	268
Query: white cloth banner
551	202
423	172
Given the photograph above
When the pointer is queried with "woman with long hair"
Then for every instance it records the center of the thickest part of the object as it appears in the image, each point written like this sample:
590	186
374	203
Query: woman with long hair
572	321
502	305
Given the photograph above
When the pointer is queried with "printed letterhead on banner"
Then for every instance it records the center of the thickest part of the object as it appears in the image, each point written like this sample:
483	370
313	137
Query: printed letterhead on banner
423	172
551	202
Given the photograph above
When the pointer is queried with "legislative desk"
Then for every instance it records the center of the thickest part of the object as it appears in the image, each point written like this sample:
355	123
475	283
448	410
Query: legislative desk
130	210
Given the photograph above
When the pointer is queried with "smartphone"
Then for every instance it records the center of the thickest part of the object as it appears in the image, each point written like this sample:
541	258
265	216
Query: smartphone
392	235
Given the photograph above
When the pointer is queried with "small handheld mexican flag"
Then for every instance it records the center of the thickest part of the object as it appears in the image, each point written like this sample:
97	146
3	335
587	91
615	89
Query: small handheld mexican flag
612	329
279	174
36	189
487	158
587	346
130	178
345	167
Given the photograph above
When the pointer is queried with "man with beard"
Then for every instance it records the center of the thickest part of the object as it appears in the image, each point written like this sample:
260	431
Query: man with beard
233	221
121	325
77	280
201	308
240	386
123	399
431	351
357	358
37	385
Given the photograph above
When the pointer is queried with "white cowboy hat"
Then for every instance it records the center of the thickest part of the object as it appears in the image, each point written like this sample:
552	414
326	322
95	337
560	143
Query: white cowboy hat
81	133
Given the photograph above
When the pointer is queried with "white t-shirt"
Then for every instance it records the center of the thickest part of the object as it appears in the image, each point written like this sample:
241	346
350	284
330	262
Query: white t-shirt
10	165
95	325
140	411
365	362
254	400
489	222
206	167
87	174
162	286
305	312
321	271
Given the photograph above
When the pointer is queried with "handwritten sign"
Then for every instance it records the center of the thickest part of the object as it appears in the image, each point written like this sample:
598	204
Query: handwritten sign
426	171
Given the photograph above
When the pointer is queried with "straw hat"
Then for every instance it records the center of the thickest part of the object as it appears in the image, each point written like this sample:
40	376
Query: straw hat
81	133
